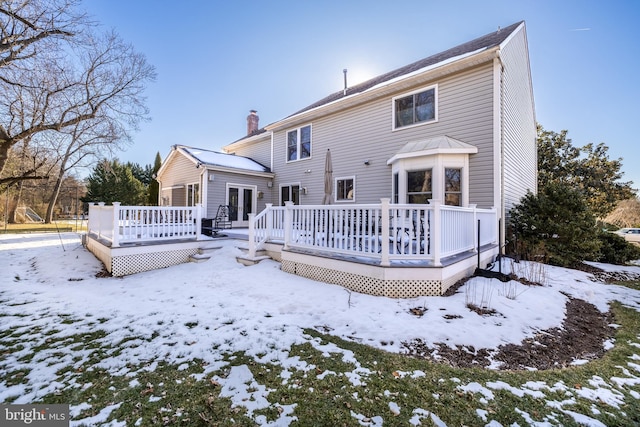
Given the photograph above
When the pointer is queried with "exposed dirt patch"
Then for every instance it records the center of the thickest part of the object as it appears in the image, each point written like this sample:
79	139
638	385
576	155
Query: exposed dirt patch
581	337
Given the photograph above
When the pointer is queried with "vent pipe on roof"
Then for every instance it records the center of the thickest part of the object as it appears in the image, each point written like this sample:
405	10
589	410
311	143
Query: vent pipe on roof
345	82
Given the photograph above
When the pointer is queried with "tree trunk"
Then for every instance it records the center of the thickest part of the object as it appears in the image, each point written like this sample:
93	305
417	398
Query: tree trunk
53	199
13	209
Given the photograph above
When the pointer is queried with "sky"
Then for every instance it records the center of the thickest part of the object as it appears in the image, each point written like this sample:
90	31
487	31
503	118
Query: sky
217	60
204	311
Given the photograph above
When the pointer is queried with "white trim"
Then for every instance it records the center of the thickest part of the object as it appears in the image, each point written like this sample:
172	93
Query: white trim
437	163
298	142
173	187
404	95
254	201
497	138
386	88
271	153
288	184
186	193
335	189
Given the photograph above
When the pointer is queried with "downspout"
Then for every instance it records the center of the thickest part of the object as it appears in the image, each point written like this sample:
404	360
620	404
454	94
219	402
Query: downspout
500	118
204	189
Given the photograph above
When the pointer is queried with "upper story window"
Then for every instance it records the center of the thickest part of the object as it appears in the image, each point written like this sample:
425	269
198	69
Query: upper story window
299	143
416	108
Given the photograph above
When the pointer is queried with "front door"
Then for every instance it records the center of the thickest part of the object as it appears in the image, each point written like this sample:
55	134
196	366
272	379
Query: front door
240	199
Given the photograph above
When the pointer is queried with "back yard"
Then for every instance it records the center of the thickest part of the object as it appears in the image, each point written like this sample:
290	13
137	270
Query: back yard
217	343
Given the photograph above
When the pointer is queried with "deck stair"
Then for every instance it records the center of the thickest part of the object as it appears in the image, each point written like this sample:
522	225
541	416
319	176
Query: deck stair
204	254
247	260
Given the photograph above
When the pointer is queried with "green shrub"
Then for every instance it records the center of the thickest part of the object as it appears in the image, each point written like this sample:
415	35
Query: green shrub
556	223
615	250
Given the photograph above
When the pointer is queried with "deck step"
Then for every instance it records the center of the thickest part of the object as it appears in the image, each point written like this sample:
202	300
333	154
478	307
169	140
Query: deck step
208	249
199	258
249	261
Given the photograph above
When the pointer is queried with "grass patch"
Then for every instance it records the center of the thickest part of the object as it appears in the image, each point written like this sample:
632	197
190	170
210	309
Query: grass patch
56	226
331	382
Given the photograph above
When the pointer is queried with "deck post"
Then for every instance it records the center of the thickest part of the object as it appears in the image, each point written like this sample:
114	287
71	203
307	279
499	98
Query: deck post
384	208
198	209
437	232
252	236
269	220
475	223
288	224
91	224
115	242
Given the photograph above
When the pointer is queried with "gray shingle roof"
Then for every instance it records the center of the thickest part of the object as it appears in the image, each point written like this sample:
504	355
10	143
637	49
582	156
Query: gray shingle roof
485	42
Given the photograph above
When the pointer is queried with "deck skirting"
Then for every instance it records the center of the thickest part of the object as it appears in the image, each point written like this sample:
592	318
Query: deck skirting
391	282
132	259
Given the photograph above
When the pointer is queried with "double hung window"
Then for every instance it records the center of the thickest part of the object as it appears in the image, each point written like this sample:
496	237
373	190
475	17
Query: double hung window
419	186
452	187
345	189
299	143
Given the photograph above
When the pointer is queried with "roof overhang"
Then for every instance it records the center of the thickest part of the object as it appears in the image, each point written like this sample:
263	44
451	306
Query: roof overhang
432	146
391	87
216	168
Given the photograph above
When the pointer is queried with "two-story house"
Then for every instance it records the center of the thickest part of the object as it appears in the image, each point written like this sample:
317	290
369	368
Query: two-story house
457	128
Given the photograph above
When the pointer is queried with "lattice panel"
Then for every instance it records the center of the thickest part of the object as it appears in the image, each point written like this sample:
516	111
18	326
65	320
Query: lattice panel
131	264
365	284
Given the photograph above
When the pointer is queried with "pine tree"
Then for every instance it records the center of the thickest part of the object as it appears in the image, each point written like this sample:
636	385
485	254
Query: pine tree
112	181
556	224
154	186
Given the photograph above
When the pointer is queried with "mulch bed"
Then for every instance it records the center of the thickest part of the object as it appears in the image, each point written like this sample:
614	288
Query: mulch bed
581	337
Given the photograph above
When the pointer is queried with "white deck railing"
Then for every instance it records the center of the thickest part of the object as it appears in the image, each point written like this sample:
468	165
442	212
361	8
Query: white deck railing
127	224
382	231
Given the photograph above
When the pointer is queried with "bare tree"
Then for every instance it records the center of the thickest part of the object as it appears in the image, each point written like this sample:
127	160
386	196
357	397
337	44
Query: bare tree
27	27
85	141
99	78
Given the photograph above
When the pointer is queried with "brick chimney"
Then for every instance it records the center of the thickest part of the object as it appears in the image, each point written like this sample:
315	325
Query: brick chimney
252	122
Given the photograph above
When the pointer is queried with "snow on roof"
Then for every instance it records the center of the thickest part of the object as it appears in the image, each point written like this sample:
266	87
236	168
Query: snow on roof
215	158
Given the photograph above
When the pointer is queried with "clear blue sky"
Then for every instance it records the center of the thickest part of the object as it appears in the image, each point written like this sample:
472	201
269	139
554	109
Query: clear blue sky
217	60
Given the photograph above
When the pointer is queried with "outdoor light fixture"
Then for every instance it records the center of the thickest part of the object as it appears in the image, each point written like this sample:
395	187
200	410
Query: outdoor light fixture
307	171
304	190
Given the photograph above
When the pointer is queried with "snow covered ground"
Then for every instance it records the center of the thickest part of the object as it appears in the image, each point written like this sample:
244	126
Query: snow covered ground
182	313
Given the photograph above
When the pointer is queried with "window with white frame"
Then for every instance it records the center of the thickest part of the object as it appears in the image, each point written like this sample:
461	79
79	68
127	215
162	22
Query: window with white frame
453	186
290	193
299	143
415	108
419	186
345	189
193	194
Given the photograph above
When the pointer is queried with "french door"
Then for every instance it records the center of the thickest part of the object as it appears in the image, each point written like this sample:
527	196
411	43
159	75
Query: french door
242	202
